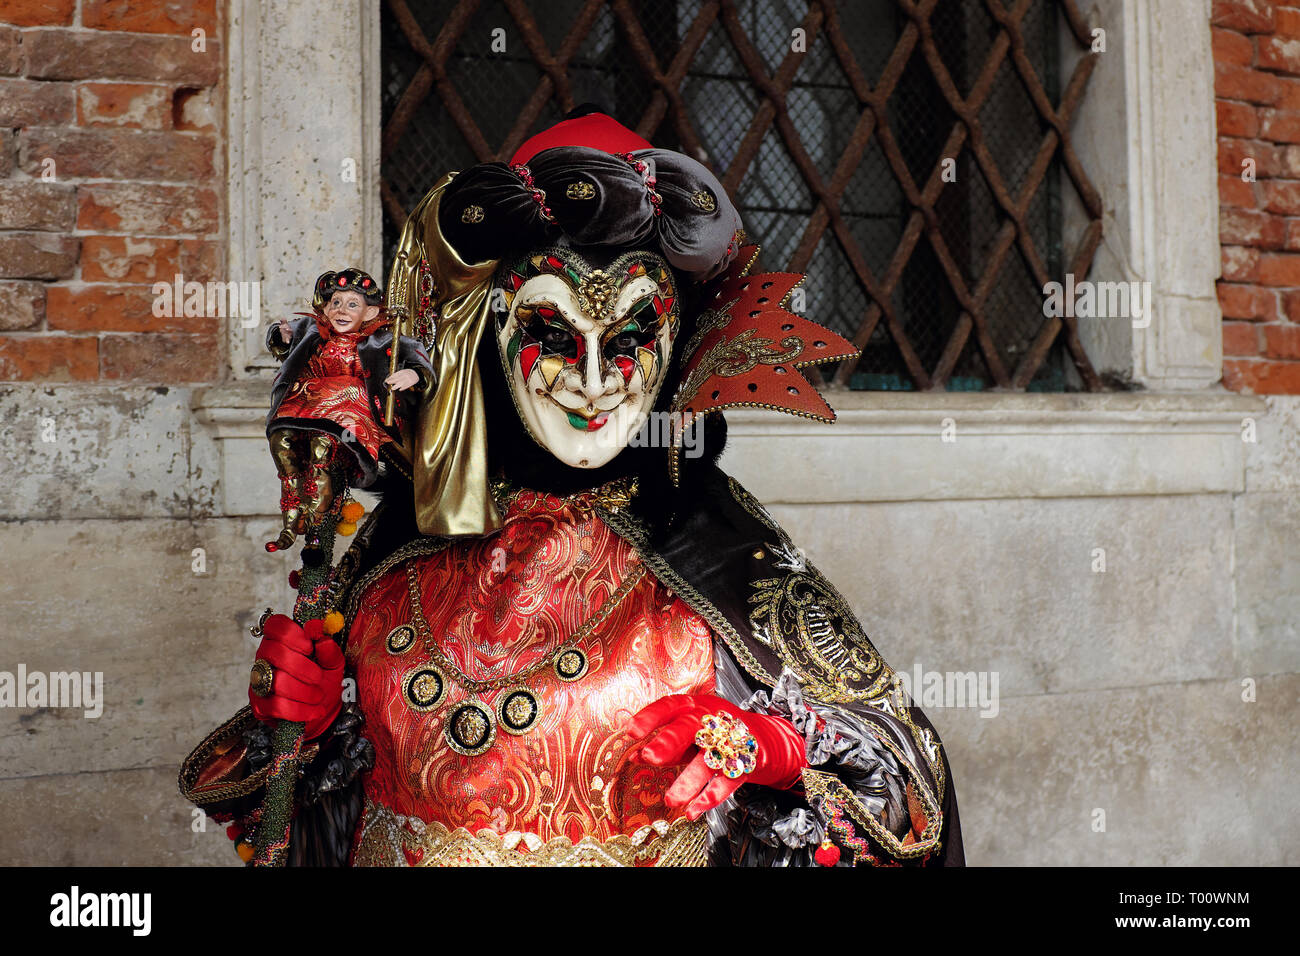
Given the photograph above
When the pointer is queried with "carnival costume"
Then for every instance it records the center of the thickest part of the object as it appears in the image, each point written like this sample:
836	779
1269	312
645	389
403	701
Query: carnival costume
573	645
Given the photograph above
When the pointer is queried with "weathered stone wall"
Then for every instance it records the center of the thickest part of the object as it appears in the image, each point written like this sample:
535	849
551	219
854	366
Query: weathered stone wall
1119	691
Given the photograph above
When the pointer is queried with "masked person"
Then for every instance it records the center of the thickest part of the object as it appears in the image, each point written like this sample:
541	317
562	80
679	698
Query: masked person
575	640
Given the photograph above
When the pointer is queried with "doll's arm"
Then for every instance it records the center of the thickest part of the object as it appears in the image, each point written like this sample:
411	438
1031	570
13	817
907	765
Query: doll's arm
277	343
413	355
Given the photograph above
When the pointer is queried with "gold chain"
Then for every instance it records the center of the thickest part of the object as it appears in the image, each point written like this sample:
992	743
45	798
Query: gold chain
482	686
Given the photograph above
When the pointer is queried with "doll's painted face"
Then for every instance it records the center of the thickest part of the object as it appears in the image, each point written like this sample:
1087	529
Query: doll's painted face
347	311
585	350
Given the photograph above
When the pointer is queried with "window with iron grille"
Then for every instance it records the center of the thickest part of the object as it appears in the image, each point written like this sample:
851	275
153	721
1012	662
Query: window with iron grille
911	156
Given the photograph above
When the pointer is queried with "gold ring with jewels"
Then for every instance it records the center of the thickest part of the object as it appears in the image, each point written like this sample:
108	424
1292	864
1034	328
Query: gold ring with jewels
424	687
727	744
518	710
571	665
470	728
261	677
400	639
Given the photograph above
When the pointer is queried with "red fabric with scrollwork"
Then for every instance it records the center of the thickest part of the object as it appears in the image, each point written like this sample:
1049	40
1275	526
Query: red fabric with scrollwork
497	605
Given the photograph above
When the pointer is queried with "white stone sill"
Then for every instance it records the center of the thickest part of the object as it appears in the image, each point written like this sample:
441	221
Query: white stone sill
888	446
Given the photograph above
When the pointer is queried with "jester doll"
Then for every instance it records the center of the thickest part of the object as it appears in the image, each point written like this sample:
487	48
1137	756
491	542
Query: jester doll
326	401
568	637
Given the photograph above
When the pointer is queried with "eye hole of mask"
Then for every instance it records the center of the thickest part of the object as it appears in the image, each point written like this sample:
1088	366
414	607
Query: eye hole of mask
544	325
636	330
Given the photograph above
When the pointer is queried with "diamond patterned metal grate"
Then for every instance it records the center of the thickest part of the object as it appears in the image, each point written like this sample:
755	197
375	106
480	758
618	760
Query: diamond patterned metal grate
834	148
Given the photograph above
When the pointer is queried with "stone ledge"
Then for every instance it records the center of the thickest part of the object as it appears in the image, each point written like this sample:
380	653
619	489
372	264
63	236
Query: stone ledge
890	446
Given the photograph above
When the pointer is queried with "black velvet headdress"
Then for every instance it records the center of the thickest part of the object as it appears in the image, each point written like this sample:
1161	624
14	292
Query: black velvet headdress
594	195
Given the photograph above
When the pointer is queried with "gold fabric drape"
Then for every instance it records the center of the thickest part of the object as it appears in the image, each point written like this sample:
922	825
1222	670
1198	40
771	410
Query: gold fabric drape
449	458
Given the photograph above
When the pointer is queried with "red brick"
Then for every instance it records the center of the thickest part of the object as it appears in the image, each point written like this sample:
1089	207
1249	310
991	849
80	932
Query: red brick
37	255
127	259
203	260
1290	94
1247	302
48	358
1279	269
22	305
1231	47
1281	341
1240	338
1291	305
6	152
161	359
175	16
11	51
1287	22
89	55
118	153
1292	242
1279	126
1281	195
1242	83
117	308
1236	119
1234	152
1248	16
1279	53
1239	264
195	109
136	105
147	209
39	13
31	204
1247	227
1234	192
34	103
1289	162
1262	377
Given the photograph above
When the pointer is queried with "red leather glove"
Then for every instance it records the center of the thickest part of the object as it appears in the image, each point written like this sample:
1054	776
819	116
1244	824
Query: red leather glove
699	788
308	681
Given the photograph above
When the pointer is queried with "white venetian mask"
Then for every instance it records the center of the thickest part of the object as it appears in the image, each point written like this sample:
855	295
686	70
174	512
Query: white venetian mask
585	350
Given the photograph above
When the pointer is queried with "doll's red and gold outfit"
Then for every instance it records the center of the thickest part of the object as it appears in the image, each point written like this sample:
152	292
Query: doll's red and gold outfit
332	387
563	790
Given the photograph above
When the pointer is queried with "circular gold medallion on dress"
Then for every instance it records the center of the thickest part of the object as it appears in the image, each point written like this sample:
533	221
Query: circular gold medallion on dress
470	729
571	665
423	687
518	710
400	639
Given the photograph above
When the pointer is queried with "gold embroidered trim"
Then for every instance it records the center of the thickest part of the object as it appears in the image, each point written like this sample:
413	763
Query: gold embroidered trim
631	531
192	767
420	546
777	601
390	839
827	786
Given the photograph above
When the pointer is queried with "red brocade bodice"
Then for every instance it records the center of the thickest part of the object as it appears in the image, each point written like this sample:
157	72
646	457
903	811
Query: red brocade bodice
495	605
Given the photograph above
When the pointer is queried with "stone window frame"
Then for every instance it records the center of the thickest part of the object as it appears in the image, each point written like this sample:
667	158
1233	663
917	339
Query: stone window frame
1146	133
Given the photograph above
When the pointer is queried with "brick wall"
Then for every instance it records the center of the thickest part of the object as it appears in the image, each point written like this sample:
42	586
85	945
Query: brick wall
1257	87
111	178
